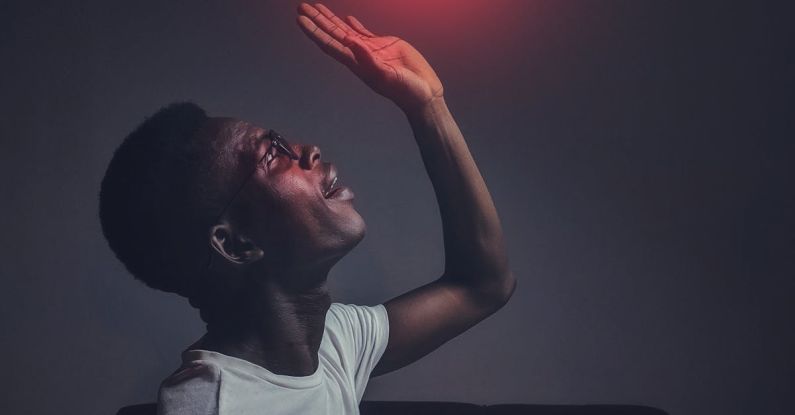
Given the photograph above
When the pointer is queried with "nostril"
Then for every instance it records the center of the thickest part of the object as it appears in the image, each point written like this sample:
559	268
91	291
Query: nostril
310	156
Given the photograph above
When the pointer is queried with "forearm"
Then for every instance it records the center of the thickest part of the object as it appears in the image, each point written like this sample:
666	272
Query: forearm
473	241
475	257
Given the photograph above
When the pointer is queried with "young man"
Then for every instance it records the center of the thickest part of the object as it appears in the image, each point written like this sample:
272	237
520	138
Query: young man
247	226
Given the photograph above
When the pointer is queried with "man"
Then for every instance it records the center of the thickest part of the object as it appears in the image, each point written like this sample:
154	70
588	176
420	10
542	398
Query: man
247	227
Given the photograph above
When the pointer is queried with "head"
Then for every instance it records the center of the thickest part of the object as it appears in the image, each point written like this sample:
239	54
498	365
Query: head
199	206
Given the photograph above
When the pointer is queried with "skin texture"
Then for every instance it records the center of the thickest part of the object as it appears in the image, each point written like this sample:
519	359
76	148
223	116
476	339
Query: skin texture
276	244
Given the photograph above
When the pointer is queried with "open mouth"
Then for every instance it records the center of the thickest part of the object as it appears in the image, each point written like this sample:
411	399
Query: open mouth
331	189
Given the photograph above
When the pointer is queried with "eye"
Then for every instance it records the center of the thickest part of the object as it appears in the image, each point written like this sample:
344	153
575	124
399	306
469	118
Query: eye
269	157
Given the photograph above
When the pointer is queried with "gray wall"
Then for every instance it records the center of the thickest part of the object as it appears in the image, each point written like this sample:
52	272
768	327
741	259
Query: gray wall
639	153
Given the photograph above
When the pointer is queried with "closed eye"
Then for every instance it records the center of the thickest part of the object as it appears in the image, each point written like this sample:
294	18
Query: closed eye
269	157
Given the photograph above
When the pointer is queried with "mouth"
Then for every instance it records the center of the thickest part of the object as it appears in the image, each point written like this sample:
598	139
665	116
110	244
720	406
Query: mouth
331	188
330	184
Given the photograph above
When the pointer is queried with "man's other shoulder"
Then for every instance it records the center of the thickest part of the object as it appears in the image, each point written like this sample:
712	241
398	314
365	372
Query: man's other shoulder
192	389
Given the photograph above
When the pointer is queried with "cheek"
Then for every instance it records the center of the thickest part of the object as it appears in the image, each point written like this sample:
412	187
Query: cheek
296	201
291	192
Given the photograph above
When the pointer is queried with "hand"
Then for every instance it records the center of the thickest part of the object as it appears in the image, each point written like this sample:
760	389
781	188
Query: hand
387	64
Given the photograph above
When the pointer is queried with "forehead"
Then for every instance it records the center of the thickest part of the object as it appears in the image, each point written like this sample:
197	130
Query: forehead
237	136
234	145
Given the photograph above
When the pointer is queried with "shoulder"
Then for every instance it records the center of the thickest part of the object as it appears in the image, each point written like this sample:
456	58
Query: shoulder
360	334
195	371
353	314
358	329
191	389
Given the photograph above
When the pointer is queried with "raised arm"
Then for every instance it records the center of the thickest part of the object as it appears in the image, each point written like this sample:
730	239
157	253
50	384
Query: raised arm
477	280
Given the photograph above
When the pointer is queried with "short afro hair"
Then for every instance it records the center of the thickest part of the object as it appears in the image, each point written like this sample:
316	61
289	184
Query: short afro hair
153	202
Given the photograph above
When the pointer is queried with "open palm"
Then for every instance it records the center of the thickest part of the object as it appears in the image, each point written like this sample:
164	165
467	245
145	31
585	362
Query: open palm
388	64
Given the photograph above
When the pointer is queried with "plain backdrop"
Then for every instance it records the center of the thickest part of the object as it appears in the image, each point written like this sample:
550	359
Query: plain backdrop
640	155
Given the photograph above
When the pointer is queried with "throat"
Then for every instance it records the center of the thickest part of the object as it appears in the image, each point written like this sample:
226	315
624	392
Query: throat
281	333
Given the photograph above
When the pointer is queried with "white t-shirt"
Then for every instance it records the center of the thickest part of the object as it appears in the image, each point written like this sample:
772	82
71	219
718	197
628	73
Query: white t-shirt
211	383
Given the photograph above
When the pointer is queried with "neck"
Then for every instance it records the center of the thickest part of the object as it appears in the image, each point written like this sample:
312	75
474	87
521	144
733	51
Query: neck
275	325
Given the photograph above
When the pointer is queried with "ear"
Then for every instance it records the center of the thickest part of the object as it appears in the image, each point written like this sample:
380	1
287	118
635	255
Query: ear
233	246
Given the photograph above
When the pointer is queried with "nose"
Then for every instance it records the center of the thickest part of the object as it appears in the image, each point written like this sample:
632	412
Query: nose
310	155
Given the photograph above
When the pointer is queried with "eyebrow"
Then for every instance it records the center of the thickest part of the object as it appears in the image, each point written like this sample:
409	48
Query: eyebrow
263	138
250	137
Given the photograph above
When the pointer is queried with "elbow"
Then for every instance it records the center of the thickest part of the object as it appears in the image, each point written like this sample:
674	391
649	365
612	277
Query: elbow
493	292
500	291
508	288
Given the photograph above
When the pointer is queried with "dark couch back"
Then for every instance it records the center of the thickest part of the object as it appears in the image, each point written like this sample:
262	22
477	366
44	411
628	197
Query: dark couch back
458	408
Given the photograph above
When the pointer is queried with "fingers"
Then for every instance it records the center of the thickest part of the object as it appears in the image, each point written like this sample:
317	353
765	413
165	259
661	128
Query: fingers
356	24
327	43
320	20
336	20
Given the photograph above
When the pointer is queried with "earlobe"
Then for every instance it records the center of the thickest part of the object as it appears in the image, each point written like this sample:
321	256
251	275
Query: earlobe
235	248
253	253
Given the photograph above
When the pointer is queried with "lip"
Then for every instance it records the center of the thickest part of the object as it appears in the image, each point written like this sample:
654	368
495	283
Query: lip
338	192
341	193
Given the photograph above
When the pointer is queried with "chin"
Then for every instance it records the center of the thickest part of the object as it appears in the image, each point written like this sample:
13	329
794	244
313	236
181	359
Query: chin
355	229
345	238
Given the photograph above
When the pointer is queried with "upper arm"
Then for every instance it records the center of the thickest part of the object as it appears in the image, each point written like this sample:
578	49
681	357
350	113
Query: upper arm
423	319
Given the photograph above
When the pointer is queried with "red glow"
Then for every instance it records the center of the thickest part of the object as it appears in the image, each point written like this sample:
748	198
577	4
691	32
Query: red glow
475	33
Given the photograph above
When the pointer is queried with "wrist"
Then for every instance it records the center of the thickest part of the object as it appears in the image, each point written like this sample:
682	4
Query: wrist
428	110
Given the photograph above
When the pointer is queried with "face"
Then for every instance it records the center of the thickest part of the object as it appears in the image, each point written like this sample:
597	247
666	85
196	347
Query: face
284	209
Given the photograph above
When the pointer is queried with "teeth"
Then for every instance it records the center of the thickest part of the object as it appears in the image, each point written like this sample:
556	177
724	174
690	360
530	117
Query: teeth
331	186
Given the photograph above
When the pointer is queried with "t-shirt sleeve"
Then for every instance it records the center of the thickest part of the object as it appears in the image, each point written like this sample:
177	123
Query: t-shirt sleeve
191	390
367	327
